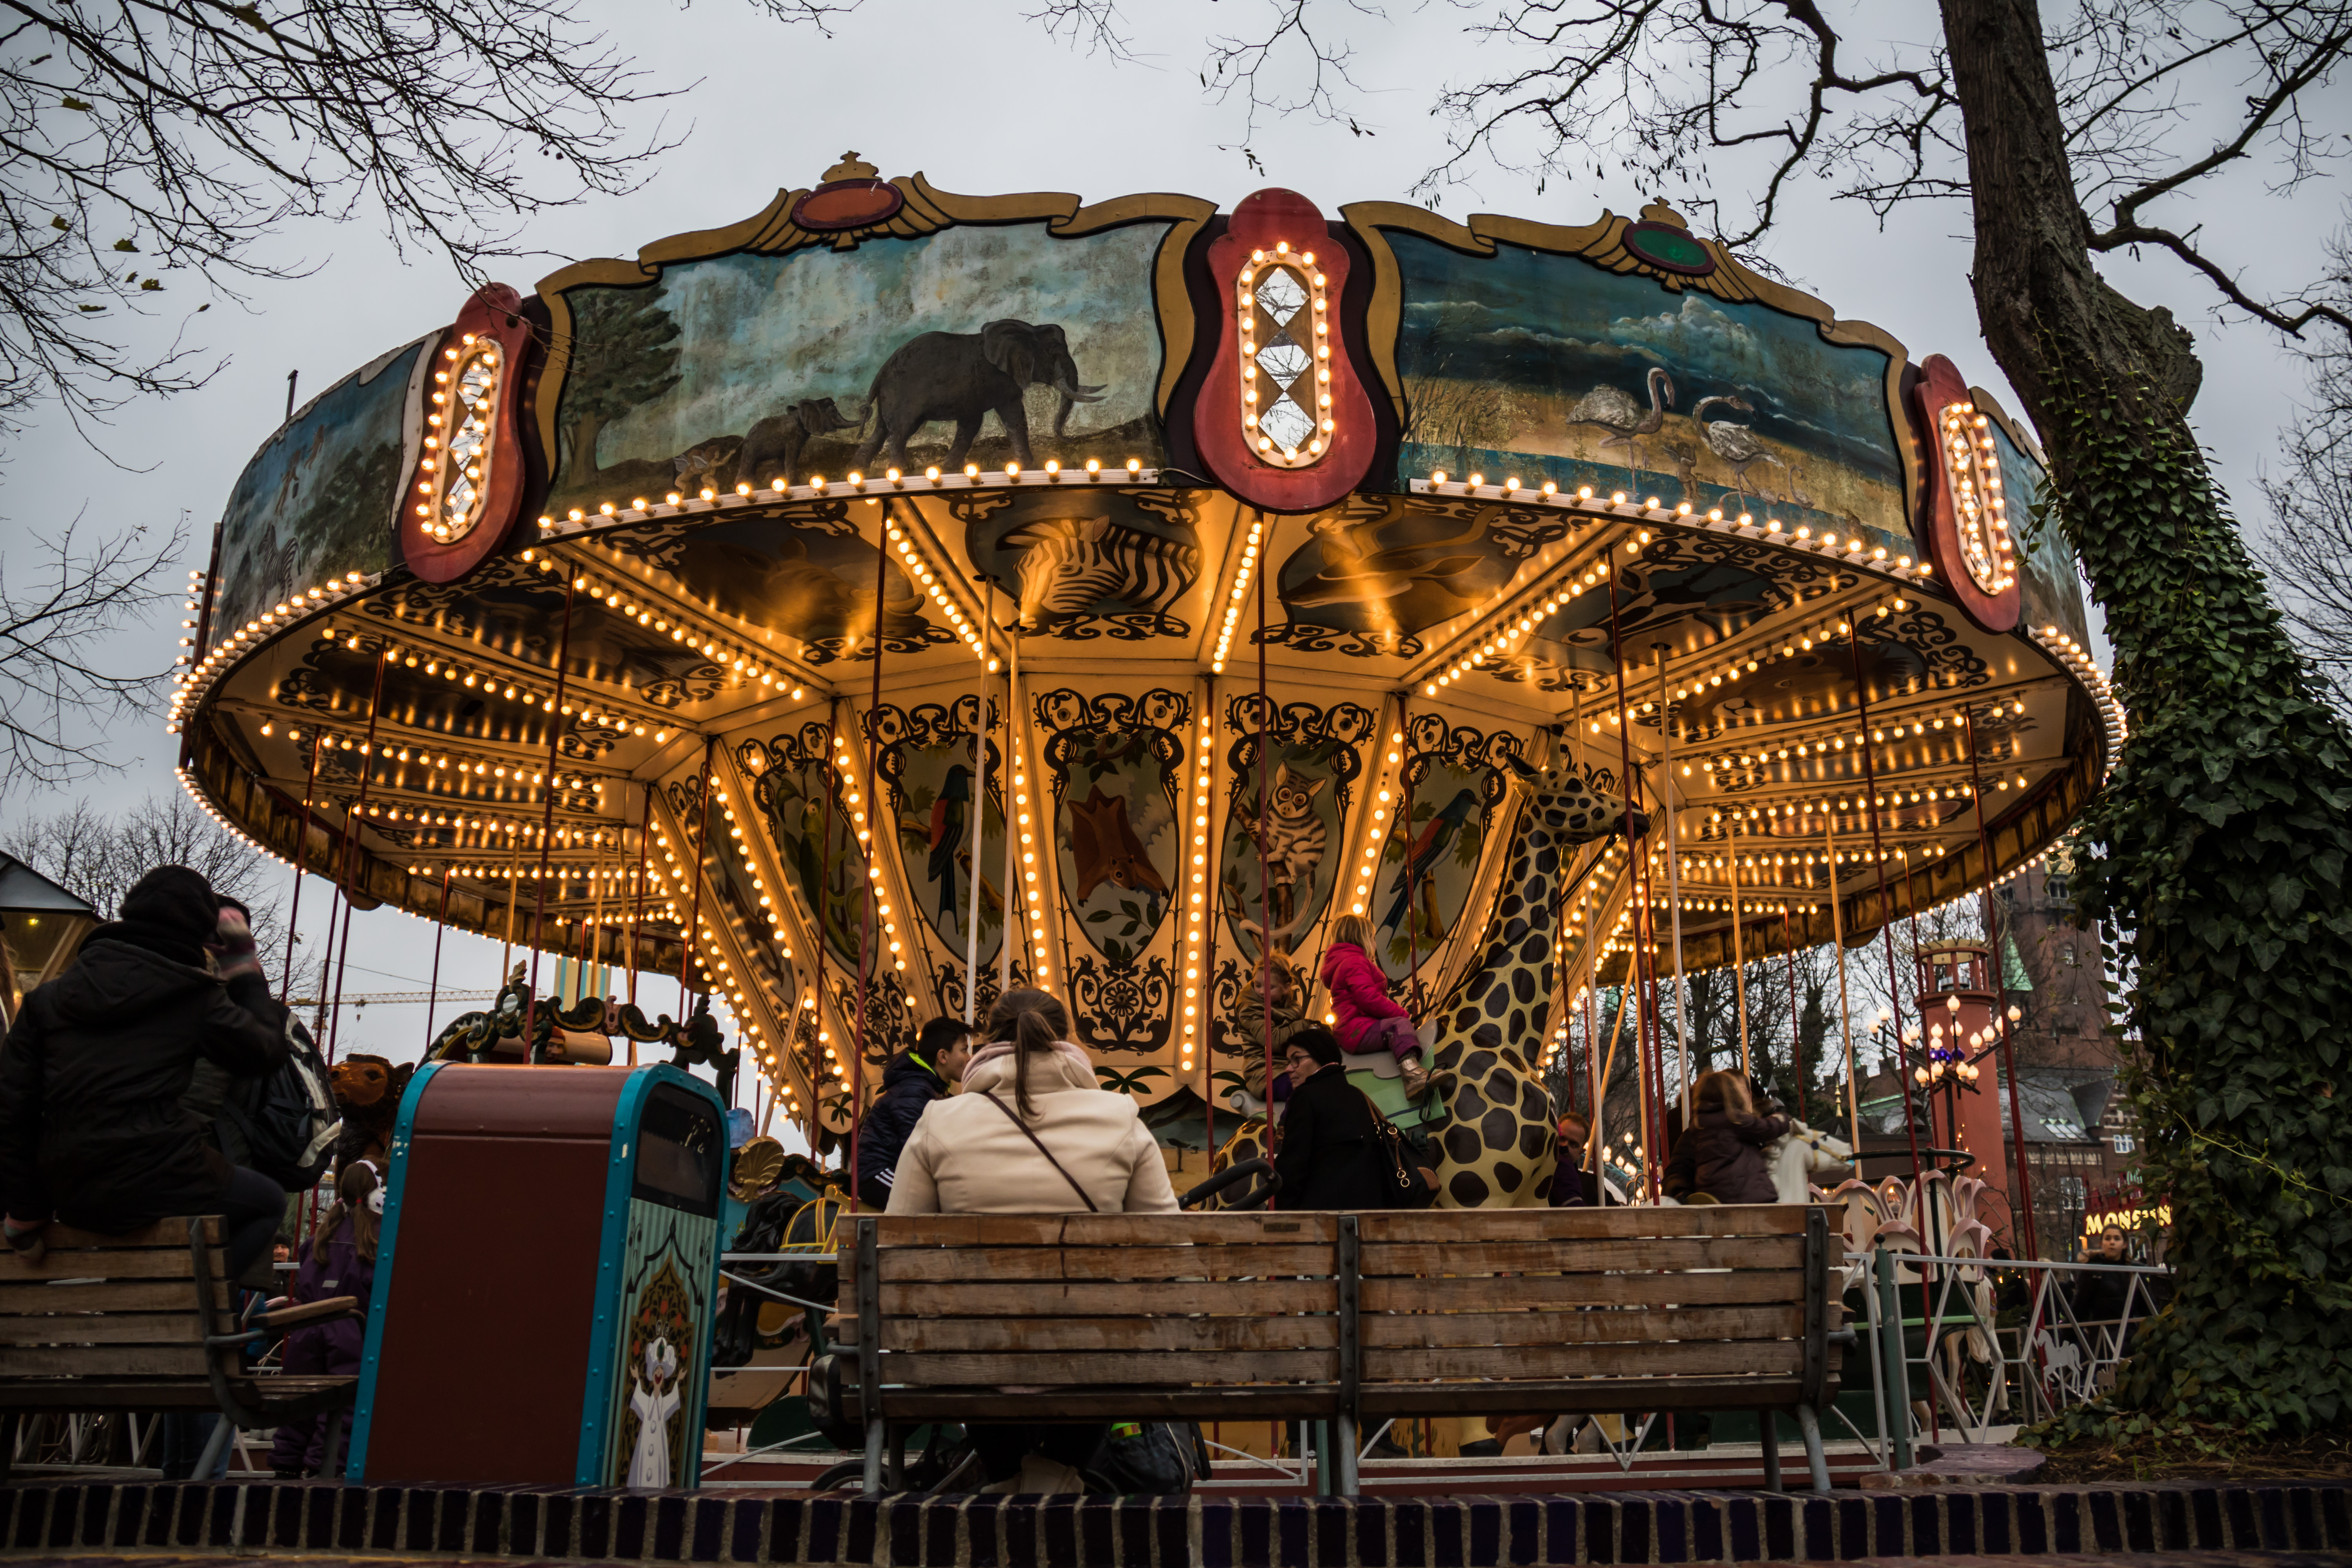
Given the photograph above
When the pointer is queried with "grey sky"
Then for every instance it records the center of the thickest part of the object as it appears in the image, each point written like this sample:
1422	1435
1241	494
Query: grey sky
975	98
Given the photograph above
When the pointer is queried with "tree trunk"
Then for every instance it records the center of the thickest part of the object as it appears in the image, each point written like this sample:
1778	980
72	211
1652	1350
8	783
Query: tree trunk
583	433
2216	854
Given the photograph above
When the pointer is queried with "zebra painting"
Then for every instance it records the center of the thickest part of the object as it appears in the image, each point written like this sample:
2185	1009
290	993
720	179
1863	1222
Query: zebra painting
1075	572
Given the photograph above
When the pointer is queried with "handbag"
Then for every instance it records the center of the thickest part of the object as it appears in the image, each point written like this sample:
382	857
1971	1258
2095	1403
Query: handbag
1409	1184
1151	1458
1016	1118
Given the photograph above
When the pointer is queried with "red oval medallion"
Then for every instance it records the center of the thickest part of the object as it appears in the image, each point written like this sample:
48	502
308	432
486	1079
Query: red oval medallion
847	203
1967	531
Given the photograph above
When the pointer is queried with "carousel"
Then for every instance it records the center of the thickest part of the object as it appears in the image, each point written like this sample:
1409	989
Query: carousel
895	596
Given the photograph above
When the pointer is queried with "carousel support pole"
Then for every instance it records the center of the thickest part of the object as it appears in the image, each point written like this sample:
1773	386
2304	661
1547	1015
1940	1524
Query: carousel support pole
687	955
873	845
1738	952
2030	1241
440	924
352	820
1412	936
1012	719
1264	882
1796	1039
1645	1044
1886	901
514	884
979	804
637	907
1207	920
1845	1009
1668	801
302	853
596	925
555	716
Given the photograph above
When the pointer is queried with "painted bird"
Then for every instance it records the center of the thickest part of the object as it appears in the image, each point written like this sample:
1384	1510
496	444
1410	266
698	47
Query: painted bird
947	834
1421	858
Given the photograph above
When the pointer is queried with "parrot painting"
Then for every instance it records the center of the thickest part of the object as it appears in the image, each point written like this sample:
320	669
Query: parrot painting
948	813
1421	858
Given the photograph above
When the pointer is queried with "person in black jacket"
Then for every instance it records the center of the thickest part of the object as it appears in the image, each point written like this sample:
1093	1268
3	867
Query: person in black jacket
913	1080
1722	1154
1330	1156
92	1130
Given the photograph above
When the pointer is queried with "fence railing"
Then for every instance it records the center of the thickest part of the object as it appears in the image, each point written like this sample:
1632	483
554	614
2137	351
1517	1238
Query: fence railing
1947	1358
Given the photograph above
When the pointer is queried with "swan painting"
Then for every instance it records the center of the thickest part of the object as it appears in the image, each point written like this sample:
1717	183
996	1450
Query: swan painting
1624	420
1736	444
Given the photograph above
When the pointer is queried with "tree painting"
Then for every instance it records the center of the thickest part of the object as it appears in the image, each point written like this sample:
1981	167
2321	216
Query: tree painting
623	352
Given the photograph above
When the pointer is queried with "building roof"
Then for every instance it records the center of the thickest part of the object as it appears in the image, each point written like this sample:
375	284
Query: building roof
22	888
2057	1111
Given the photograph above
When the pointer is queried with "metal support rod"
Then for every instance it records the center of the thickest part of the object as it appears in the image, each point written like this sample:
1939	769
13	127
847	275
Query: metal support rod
1647	1047
555	717
302	853
1845	1009
440	924
1885	902
1738	953
1265	881
352	820
2031	1241
872	842
1669	803
979	804
689	954
637	906
1796	1037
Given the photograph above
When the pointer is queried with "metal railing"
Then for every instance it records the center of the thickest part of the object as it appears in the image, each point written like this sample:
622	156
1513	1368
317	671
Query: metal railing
1936	1325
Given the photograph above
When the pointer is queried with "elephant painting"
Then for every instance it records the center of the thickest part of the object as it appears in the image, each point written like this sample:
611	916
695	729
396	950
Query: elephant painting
772	450
963	375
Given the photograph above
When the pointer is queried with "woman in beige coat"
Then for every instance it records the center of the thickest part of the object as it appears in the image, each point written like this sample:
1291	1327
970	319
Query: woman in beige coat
1029	1104
968	1156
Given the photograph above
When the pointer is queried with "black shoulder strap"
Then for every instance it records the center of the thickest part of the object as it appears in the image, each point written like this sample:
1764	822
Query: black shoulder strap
1016	1118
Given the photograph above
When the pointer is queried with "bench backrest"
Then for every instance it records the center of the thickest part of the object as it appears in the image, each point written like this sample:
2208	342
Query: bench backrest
966	1303
1297	1314
114	1306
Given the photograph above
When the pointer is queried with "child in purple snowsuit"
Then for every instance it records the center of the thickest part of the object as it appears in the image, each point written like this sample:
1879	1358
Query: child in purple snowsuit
339	1261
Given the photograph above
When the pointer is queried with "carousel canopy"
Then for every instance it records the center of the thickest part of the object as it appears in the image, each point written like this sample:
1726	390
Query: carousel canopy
1266	556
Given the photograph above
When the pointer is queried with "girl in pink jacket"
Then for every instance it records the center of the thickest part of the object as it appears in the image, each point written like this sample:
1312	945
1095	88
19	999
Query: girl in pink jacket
1363	1015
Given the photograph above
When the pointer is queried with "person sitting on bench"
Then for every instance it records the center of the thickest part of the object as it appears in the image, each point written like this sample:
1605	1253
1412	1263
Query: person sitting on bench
1032	1132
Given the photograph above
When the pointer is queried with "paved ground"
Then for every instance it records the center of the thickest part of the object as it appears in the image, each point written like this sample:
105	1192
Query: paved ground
2137	1560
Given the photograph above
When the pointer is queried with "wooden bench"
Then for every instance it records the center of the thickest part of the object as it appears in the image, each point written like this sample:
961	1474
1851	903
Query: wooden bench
1346	1318
144	1322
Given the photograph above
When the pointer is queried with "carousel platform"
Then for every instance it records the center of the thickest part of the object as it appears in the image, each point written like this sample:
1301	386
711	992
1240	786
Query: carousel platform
65	1519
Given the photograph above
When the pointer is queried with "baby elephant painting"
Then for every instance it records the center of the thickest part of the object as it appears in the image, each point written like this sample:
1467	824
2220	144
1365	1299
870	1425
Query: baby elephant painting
964	375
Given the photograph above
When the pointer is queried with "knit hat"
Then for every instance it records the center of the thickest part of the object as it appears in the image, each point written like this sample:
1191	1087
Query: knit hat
174	898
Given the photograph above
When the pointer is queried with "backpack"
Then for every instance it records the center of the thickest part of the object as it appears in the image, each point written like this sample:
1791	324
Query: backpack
287	1119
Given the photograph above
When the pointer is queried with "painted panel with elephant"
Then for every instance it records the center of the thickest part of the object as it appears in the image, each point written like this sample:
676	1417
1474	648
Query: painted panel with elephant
969	344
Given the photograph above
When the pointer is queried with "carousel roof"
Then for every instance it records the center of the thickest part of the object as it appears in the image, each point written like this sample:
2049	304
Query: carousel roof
1282	540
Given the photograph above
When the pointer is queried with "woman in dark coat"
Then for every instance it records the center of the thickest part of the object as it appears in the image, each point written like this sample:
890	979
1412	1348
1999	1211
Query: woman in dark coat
339	1261
1722	1155
92	1130
1330	1156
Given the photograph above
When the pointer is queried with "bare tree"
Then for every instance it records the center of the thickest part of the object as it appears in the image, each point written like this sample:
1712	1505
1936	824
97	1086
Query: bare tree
147	146
97	857
59	694
2309	542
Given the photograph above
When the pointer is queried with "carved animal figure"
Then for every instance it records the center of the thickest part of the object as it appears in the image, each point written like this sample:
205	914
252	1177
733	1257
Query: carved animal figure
1798	1156
1497	1141
965	376
698	466
1624	420
1104	848
1736	444
367	1092
772	450
700	1044
1073	567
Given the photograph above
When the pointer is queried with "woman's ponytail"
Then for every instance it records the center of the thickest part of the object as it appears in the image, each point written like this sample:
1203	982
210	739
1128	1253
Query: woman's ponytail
1027	1020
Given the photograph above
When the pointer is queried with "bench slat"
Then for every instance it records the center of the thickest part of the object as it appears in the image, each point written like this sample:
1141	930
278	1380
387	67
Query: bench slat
107	1296
1060	1370
1106	1229
1562	1396
1274	1402
1581	1257
103	1360
162	1233
180	1327
984	1263
1433	1330
1689	1358
1476	1294
1053	1336
159	1263
1448	1226
1056	1299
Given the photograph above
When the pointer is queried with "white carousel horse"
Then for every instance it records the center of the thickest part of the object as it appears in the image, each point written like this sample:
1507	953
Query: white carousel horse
1798	1156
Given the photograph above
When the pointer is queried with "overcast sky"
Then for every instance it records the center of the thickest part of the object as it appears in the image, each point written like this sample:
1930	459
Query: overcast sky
978	100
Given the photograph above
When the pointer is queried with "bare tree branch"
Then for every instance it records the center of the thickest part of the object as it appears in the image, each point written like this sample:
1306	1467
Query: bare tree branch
58	698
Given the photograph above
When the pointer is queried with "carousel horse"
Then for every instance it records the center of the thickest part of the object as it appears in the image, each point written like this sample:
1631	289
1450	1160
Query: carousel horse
1493	1146
759	1339
1800	1154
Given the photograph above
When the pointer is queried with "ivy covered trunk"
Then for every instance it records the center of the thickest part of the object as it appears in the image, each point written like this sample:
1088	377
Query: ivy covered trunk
2216	855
